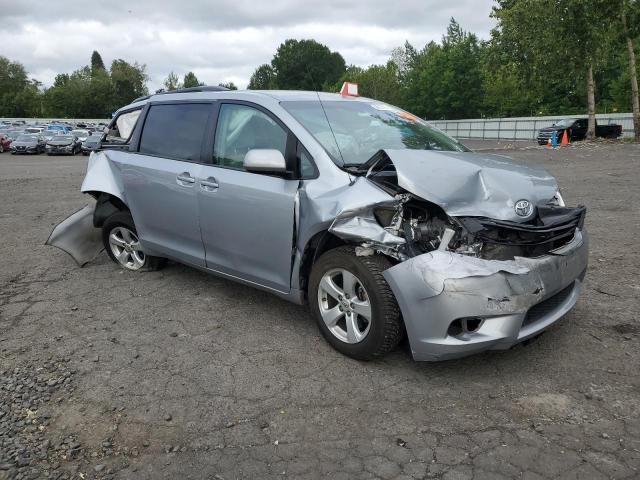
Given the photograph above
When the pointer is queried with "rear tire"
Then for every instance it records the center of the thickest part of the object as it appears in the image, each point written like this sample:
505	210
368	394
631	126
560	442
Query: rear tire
122	244
363	292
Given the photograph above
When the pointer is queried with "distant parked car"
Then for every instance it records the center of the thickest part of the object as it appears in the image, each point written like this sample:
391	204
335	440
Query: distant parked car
14	133
63	145
28	144
91	144
33	130
577	130
57	127
80	134
5	143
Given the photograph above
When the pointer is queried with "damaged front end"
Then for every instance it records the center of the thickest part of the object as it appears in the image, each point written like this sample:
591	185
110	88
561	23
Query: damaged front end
471	274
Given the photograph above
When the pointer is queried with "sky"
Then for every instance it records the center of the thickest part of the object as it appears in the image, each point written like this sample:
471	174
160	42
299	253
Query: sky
219	40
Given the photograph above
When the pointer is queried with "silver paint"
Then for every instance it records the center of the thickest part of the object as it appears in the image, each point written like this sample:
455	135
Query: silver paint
255	228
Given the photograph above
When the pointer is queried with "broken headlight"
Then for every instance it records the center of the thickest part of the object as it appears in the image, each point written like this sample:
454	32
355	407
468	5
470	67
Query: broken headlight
557	200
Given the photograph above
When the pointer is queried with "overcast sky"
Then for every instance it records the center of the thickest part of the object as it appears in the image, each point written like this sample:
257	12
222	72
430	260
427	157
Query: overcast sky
219	40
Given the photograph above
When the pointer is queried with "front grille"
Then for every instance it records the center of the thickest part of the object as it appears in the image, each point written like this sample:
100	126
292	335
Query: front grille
551	228
544	308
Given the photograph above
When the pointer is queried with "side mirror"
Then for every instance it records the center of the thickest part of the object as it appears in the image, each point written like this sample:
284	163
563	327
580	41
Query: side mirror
265	160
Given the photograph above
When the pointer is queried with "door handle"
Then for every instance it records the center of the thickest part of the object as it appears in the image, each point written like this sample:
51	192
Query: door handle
210	184
185	177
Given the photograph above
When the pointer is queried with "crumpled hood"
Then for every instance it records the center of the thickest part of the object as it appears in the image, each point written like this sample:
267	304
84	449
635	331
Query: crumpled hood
472	184
59	143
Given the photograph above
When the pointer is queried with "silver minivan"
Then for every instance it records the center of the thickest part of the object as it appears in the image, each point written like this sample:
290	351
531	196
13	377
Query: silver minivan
385	225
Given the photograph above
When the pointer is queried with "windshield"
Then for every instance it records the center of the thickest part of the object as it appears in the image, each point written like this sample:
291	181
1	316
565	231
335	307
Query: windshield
80	133
353	131
62	138
26	138
566	122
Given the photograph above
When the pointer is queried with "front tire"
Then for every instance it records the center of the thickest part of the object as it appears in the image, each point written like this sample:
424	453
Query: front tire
121	242
353	305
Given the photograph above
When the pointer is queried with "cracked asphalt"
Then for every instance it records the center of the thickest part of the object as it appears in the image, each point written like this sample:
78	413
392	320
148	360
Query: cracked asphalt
177	374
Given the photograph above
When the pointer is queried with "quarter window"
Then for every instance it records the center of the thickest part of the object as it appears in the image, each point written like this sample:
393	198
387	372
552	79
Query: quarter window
175	130
242	128
121	130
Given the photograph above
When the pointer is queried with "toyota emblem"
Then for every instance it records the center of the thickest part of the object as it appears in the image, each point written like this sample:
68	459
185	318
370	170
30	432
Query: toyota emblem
523	208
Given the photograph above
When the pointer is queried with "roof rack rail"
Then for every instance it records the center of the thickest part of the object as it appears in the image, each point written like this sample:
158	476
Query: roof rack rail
201	88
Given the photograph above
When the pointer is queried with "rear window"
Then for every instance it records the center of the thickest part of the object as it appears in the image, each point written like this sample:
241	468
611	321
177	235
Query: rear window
175	131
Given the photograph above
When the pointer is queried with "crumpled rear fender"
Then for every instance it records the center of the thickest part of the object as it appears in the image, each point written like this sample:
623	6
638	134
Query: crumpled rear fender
103	175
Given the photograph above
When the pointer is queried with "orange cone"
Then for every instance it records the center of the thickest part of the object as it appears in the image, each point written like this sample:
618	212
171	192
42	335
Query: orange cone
565	138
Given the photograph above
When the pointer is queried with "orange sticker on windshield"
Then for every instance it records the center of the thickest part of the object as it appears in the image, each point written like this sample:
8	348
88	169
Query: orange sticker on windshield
408	116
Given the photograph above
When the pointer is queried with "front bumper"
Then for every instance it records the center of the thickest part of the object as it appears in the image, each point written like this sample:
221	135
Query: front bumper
59	151
515	300
25	150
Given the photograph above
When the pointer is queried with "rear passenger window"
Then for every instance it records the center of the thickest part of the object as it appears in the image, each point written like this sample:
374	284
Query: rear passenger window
240	129
175	130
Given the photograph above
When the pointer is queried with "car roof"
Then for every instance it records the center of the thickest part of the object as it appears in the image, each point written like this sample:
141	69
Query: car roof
278	95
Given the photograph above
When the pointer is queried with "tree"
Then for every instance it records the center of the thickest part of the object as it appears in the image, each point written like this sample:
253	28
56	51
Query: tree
629	8
96	62
263	78
19	95
306	65
381	82
551	40
128	82
446	78
190	80
228	85
172	82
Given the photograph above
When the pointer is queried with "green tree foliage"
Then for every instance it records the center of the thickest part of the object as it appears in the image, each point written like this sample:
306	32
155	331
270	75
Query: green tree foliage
128	81
446	79
18	94
172	82
306	65
381	82
229	85
263	78
190	80
96	62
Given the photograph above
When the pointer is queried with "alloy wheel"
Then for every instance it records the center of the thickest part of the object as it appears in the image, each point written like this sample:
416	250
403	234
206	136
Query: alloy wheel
344	305
126	248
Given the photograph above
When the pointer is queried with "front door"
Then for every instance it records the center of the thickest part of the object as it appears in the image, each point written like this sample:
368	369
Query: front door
247	219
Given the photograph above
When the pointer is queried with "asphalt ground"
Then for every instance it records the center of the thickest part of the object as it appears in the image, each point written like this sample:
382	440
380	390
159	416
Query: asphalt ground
177	374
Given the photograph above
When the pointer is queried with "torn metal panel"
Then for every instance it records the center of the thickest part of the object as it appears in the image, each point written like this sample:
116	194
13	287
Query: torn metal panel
320	208
435	267
103	175
471	184
77	236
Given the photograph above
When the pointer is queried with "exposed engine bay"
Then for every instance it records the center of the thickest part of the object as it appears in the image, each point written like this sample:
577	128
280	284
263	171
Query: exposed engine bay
416	226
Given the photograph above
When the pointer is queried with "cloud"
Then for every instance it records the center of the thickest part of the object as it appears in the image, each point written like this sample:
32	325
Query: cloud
218	40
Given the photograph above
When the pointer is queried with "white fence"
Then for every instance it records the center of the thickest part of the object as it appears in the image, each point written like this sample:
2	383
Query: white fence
521	128
515	128
56	120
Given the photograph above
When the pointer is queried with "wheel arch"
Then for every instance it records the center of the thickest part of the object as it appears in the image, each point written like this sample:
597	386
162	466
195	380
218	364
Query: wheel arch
315	247
106	205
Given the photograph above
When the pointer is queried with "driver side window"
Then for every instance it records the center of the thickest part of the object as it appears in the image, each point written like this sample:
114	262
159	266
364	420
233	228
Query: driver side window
241	128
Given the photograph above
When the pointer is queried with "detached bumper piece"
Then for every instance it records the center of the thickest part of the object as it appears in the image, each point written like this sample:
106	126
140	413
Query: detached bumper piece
454	305
77	236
